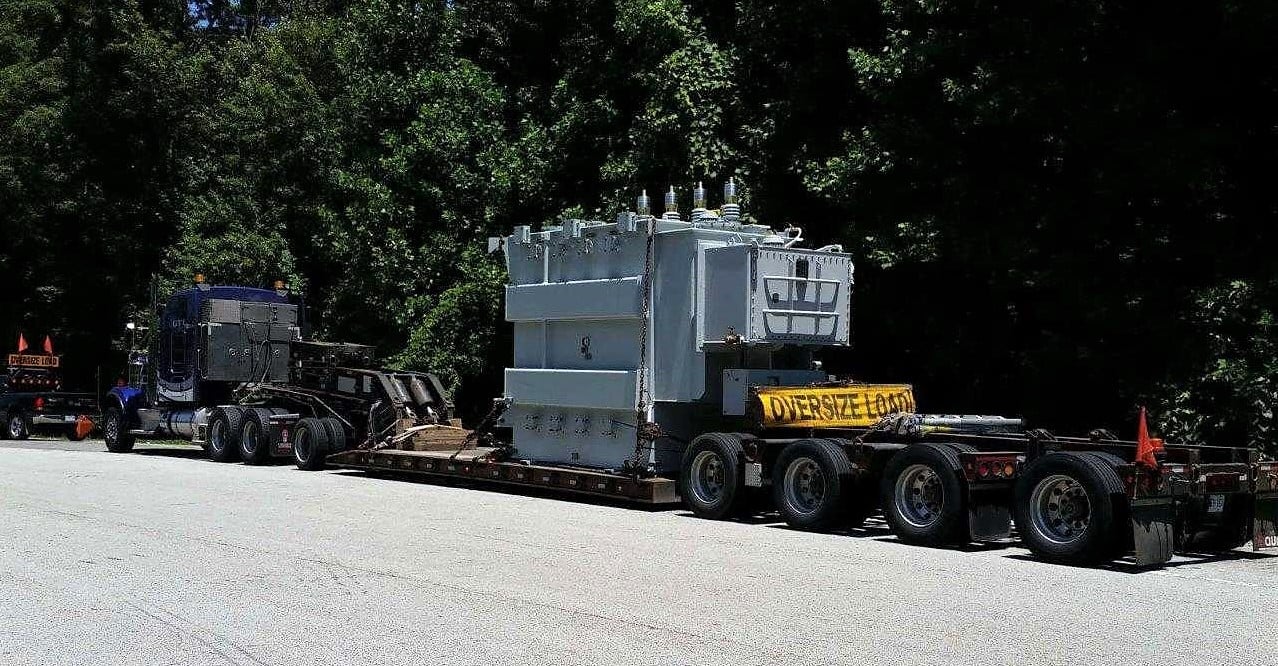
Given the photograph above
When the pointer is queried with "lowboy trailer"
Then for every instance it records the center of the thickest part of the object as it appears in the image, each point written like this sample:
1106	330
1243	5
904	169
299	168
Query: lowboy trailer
658	358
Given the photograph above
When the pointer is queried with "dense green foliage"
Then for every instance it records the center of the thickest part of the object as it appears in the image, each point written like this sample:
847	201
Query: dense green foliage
1060	209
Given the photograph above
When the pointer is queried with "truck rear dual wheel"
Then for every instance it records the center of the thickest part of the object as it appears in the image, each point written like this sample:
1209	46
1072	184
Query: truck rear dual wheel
922	495
116	432
225	426
1071	506
813	486
336	434
255	436
311	443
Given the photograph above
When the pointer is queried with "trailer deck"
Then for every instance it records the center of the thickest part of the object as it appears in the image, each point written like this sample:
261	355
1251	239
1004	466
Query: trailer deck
480	464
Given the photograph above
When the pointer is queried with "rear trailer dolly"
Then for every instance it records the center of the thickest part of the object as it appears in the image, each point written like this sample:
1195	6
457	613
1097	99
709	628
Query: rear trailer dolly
1071	500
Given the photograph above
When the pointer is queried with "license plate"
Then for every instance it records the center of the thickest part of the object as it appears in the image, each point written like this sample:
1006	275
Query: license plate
1215	503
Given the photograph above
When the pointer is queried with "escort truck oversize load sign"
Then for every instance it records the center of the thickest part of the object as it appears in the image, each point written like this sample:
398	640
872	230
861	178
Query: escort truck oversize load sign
832	406
32	361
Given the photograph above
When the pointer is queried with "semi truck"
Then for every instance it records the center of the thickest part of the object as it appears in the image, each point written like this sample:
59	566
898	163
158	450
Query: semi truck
227	367
32	399
658	359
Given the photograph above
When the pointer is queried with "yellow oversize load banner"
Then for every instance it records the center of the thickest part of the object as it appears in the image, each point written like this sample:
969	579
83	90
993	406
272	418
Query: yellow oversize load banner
832	406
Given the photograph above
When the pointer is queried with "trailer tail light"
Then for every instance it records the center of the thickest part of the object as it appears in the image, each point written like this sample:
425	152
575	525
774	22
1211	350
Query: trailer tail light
1223	482
991	467
39	403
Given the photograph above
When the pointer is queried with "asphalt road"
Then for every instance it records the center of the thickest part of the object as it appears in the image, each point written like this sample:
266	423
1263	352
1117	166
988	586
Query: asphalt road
161	557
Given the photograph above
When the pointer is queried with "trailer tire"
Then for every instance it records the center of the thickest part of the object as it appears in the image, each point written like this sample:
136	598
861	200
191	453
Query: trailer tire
17	425
1070	507
813	486
336	434
225	425
923	496
310	444
255	436
710	479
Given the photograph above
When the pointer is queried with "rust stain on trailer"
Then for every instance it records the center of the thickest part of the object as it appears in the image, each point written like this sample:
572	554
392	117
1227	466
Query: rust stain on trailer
859	406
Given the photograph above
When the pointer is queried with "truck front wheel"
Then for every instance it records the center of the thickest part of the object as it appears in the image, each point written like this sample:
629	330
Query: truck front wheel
115	432
923	495
224	433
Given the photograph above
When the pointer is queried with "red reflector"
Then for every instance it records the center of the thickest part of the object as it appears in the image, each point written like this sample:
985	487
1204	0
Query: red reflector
39	402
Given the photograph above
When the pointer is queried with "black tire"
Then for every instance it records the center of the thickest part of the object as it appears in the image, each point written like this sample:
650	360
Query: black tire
336	434
923	495
225	425
255	436
310	444
17	425
812	485
116	432
1051	519
710	479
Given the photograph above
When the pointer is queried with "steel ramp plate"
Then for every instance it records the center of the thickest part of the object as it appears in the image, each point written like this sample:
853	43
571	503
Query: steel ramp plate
1153	530
1265	525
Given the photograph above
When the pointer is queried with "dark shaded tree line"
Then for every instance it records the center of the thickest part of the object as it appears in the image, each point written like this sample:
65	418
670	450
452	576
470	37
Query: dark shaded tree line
1058	209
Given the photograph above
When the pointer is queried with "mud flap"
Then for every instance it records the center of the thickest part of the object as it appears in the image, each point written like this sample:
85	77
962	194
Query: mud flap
1153	530
989	518
1264	529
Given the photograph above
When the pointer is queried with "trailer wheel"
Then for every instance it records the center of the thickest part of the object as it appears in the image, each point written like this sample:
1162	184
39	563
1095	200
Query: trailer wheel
922	495
1067	507
710	481
812	484
310	444
255	436
17	426
225	425
336	434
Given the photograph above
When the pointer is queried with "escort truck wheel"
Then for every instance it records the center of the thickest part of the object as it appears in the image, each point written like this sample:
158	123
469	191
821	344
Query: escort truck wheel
116	432
336	434
710	478
224	433
922	495
1066	505
812	484
255	436
310	444
16	426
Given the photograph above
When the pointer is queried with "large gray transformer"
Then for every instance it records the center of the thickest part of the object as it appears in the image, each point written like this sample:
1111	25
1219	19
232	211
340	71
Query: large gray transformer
732	305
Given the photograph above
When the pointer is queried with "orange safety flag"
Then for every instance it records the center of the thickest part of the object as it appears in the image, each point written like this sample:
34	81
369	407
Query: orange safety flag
1148	449
22	343
48	346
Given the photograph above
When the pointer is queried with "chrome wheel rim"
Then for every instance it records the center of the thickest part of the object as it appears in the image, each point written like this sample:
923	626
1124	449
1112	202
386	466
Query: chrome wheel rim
805	486
708	478
15	426
248	437
217	436
1060	509
919	495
